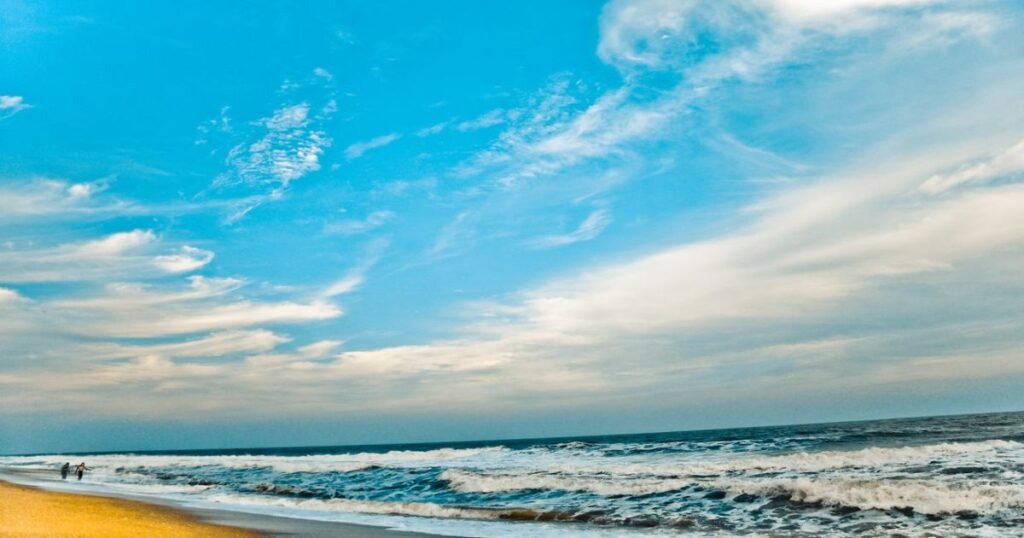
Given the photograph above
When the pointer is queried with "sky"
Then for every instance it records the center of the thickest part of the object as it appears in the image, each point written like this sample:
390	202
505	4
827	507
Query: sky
375	222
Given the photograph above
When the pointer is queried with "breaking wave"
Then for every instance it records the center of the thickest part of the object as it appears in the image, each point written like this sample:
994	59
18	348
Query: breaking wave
921	496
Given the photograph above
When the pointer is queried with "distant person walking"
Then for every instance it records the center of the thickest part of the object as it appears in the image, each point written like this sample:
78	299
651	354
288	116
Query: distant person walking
80	470
64	470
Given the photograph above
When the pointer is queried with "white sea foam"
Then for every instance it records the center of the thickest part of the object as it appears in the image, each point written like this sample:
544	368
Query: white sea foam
283	464
418	509
666	476
475	482
804	462
925	496
869	457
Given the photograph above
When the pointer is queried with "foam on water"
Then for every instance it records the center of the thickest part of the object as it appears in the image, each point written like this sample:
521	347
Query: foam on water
284	464
923	496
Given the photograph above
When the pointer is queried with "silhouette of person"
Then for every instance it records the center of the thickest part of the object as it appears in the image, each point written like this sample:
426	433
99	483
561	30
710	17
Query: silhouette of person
64	470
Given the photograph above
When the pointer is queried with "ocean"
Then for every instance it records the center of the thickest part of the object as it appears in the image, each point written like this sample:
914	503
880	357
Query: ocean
938	476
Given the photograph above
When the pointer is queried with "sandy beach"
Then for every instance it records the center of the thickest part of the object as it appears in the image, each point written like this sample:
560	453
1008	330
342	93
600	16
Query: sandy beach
28	511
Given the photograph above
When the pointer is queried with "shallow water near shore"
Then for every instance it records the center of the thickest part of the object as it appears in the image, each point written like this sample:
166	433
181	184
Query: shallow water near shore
916	477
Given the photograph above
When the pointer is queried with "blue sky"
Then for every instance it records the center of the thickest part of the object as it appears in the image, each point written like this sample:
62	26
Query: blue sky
349	222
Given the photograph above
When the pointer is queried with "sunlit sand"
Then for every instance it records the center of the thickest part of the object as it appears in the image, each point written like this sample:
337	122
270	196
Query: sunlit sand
26	511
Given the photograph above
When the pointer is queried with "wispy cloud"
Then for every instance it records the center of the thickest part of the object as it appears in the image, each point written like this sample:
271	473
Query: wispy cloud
11	105
323	73
488	119
1006	163
434	129
356	276
372	221
205	305
222	123
453	237
290	149
218	344
57	199
111	245
591	227
358	149
187	259
277	149
131	253
553	132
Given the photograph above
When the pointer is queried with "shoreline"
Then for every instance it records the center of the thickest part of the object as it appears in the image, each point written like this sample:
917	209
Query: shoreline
33	511
43	508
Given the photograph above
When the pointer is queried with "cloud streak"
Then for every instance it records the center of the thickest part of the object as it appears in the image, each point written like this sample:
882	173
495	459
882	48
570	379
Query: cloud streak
590	228
117	255
133	311
374	220
358	149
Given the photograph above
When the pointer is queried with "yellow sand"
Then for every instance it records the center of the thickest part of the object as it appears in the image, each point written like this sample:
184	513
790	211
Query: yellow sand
26	511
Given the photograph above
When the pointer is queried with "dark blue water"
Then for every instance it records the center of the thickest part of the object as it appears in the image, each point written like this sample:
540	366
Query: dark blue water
934	476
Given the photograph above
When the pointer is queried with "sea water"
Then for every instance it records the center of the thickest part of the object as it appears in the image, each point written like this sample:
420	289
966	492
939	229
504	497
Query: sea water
939	476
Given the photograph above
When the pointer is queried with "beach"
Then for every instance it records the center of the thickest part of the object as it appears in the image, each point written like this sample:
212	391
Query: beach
27	511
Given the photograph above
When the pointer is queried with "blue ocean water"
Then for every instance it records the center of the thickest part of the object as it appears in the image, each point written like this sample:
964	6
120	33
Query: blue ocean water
939	476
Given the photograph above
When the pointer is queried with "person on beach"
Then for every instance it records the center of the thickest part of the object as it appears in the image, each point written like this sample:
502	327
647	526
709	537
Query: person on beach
80	469
64	470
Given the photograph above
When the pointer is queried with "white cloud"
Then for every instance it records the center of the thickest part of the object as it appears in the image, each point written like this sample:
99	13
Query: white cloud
319	349
658	33
118	255
452	237
358	149
432	130
85	190
372	221
58	200
347	284
323	73
640	36
156	372
1007	162
401	187
811	11
488	119
944	29
289	149
8	296
640	32
217	344
207	305
357	274
811	248
591	227
11	105
187	259
114	244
